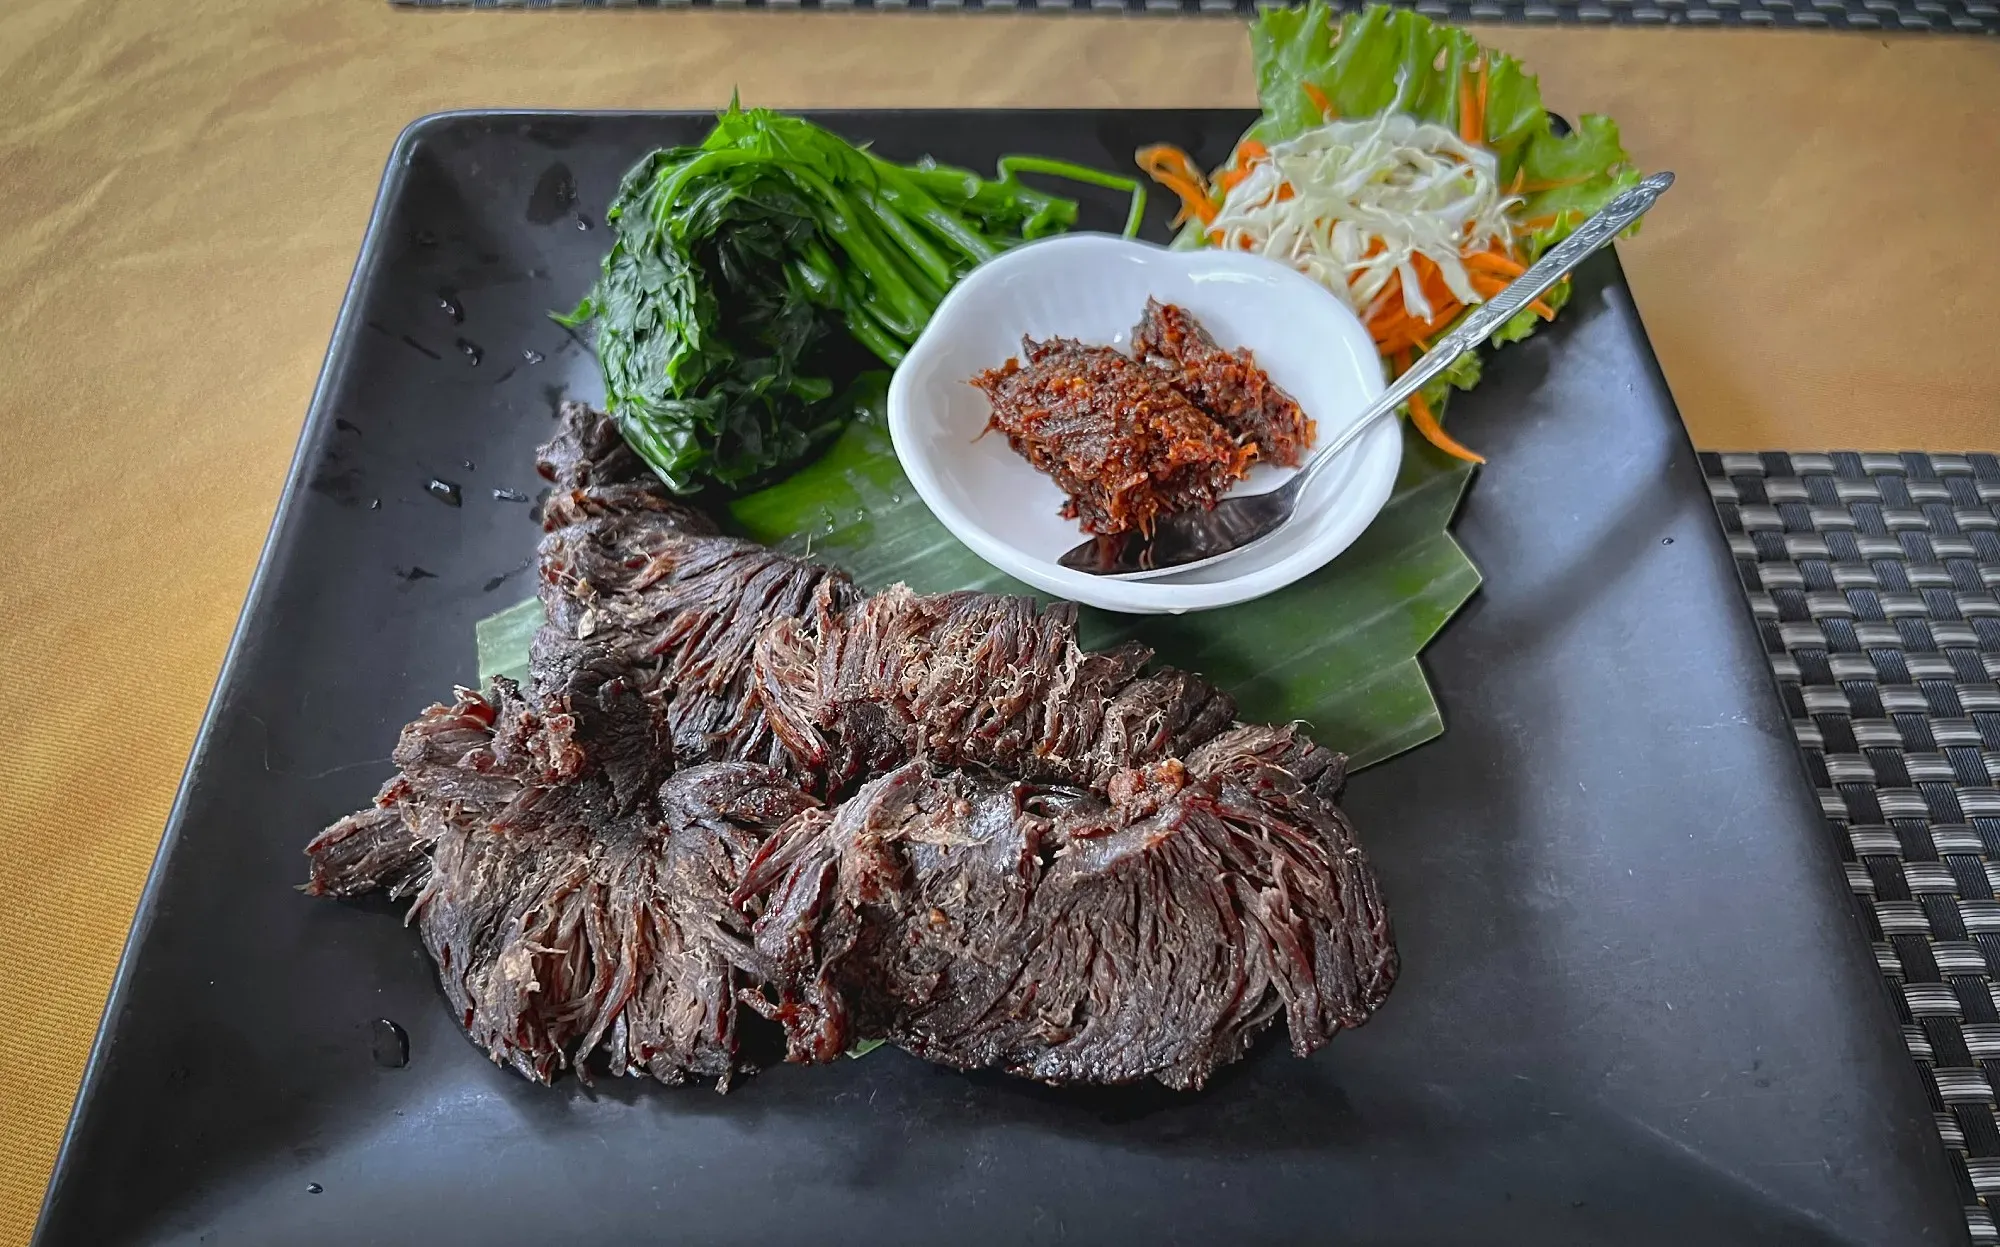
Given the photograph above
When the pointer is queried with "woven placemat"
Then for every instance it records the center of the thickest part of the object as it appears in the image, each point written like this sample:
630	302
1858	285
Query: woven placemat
1874	578
1943	16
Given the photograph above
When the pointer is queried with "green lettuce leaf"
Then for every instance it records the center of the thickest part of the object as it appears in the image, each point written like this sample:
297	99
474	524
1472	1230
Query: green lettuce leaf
1381	59
1577	175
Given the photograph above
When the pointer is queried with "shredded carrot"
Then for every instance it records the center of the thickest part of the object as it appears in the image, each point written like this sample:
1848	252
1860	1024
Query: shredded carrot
1489	286
1403	338
1193	202
1504	265
1171	168
1398	335
1248	153
1469	127
1165	157
1387	317
1430	280
1426	424
1426	421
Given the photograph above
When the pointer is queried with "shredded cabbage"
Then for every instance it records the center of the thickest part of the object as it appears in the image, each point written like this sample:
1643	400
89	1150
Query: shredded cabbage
1350	203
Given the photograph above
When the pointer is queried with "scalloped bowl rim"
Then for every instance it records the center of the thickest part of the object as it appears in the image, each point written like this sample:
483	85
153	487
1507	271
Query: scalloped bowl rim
1255	291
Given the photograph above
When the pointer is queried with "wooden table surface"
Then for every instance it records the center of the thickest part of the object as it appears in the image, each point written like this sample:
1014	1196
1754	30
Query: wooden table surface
185	184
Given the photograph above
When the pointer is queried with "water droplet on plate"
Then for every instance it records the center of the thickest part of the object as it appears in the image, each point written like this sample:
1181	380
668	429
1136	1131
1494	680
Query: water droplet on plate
533	357
374	504
472	351
1666	541
314	1188
449	304
554	194
466	464
896	499
509	495
389	1043
582	221
444	491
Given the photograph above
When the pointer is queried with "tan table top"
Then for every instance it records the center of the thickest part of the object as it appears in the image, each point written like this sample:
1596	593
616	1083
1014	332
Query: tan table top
185	187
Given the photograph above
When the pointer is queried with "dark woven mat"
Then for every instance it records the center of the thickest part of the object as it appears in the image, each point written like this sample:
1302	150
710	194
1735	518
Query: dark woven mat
1946	16
1874	578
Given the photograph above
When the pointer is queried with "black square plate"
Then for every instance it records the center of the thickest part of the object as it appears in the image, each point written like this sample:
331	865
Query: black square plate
1636	1007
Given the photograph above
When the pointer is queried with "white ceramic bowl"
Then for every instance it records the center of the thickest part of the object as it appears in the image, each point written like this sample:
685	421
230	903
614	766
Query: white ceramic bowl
1093	287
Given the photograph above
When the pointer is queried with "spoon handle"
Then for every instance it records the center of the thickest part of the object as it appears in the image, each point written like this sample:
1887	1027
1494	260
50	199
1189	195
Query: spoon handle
1600	229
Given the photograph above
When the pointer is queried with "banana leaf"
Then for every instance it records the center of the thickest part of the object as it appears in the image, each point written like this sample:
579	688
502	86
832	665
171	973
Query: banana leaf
1337	650
504	640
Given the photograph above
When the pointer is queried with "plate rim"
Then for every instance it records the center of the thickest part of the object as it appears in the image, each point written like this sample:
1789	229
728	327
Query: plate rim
346	329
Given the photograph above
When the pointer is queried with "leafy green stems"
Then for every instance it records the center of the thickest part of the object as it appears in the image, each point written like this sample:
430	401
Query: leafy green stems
740	267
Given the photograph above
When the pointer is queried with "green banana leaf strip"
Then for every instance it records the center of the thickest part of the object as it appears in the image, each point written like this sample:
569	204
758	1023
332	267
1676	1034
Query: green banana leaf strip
504	639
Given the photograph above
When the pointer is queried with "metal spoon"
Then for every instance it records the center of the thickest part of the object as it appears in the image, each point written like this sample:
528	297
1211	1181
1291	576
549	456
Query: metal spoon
1191	539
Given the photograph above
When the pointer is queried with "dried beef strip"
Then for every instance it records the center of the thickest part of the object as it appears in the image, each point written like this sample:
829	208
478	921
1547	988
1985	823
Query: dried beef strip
1228	385
1125	446
1153	932
931	819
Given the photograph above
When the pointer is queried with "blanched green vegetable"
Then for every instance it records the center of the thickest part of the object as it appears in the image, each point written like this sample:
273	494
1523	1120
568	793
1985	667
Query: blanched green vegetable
744	271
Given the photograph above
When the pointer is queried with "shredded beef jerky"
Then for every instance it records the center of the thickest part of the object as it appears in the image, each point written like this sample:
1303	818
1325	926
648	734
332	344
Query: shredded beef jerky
1066	937
970	836
1122	443
559	925
1228	385
640	592
971	679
